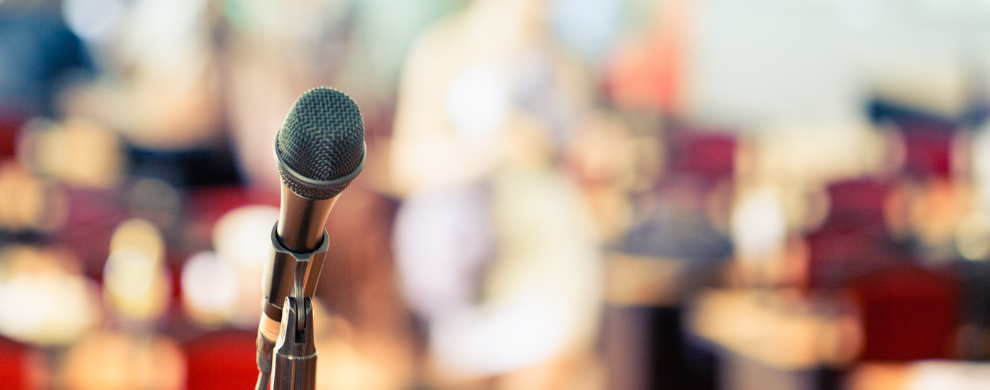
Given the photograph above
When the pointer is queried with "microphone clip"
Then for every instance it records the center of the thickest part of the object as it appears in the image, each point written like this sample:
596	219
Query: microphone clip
303	279
295	353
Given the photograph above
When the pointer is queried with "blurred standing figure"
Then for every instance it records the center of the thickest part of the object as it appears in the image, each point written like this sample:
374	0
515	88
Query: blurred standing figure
494	244
273	52
37	53
159	81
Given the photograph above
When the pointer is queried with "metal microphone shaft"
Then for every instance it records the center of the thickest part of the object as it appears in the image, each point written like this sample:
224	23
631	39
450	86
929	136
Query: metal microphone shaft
301	220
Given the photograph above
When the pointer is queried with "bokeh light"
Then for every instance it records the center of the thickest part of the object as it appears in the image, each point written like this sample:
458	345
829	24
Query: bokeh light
209	288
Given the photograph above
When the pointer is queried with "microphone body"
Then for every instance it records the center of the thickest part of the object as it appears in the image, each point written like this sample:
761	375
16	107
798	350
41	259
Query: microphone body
301	220
319	150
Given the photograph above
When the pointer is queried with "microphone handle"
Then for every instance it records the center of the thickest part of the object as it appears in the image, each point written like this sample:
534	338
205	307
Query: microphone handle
301	221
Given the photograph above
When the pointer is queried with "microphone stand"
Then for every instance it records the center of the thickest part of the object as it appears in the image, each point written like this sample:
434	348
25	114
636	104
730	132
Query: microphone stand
290	362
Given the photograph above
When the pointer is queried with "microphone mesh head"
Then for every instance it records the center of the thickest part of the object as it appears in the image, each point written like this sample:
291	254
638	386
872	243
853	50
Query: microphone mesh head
322	139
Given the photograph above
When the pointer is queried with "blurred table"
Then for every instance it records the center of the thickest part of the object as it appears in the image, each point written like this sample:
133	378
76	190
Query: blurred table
765	340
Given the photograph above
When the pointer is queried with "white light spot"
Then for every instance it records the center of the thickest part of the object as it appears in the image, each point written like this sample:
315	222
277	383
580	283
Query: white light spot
46	308
139	235
973	237
135	284
93	20
477	101
243	236
209	286
129	273
759	224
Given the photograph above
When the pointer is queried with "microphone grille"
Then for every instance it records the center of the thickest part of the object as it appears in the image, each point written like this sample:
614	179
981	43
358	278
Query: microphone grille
321	140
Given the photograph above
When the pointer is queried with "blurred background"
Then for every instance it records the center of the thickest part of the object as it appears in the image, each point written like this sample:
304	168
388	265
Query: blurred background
559	194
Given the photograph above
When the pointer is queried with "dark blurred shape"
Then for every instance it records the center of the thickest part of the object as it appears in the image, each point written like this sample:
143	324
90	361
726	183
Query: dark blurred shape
646	348
190	168
646	345
910	118
908	313
13	365
9	124
927	137
674	223
36	52
975	337
223	360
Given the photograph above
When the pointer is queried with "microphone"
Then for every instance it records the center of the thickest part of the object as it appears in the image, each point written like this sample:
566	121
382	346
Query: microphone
319	150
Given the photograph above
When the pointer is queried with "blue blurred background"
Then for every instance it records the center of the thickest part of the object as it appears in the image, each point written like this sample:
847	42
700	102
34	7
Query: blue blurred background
559	194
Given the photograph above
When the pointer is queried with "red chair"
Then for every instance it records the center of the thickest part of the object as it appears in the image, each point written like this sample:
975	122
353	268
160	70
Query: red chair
853	239
13	367
928	152
855	205
221	360
908	313
10	124
834	257
708	154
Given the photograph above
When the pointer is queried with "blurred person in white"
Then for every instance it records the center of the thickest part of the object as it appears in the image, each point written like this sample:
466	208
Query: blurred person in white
37	52
161	85
494	244
273	52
